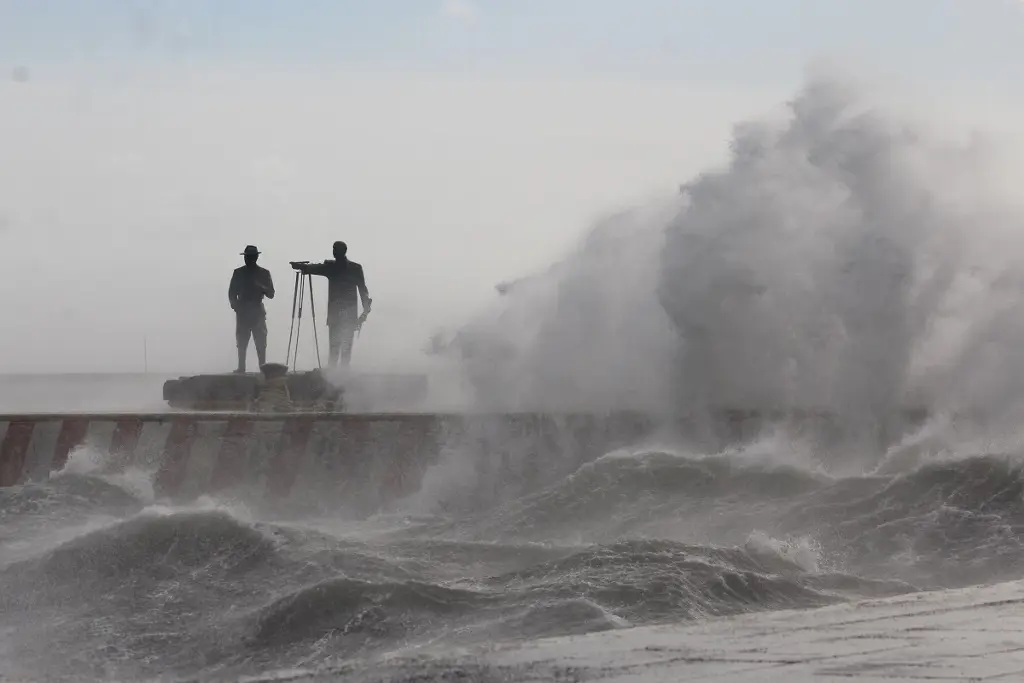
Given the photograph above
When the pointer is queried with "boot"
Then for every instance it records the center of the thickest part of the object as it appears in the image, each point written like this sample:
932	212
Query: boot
241	362
261	355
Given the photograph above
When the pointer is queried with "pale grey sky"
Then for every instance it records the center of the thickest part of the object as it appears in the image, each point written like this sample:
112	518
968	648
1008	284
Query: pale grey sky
452	144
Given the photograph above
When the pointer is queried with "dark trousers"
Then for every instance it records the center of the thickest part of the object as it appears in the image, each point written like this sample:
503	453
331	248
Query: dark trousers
251	325
340	334
341	329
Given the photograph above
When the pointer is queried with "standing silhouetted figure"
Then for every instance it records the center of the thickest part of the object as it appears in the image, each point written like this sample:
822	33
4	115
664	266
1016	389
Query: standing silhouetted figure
344	280
249	284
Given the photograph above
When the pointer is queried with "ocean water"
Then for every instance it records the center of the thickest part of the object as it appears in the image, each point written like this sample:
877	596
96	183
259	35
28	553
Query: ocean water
83	392
100	582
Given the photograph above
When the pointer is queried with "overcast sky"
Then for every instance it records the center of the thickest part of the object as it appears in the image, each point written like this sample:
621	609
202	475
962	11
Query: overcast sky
453	144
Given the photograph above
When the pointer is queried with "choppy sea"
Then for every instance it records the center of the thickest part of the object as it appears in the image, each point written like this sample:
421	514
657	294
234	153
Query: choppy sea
100	582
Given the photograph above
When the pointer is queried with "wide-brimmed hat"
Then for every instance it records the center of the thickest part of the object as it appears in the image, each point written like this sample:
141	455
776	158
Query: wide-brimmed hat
250	250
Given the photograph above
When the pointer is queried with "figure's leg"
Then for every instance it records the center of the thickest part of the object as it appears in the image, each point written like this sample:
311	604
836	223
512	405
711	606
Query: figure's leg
346	333
334	343
259	336
242	333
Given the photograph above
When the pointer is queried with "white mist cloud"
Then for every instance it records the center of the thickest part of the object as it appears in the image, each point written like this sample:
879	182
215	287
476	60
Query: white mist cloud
848	256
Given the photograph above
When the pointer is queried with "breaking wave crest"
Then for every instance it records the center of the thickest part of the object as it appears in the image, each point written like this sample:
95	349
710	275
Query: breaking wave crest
285	605
949	522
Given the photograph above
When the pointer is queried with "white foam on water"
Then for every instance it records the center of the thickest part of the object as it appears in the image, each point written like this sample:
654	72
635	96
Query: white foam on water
88	461
804	552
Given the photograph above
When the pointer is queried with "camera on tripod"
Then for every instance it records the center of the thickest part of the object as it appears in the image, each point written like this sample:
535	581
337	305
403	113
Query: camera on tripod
298	299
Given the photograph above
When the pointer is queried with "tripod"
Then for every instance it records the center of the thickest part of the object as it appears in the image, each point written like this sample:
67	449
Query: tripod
298	299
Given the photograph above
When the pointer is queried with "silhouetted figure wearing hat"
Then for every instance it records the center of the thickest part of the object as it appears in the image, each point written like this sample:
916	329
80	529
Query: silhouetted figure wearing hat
249	284
344	279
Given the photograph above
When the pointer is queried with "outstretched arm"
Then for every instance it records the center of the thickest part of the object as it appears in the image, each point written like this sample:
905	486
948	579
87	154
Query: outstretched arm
311	268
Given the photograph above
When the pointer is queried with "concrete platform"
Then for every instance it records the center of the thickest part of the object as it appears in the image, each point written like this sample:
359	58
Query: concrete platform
974	634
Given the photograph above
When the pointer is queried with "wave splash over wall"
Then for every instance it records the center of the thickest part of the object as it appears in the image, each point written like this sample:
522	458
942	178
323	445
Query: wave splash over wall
842	259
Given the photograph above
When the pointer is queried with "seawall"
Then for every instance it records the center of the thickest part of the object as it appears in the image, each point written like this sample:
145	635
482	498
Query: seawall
368	459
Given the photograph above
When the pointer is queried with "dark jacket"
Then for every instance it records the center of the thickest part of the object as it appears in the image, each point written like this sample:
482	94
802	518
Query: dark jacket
249	284
344	279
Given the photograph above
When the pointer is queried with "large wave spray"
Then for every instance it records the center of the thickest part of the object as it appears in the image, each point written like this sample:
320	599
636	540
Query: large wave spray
588	333
841	260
